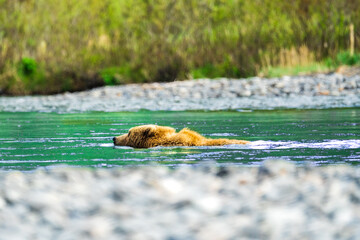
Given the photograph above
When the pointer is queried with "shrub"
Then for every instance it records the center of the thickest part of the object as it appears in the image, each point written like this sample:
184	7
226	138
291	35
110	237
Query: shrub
345	58
27	67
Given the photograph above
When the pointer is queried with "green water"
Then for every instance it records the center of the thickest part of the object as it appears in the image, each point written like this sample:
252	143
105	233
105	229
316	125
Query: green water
32	140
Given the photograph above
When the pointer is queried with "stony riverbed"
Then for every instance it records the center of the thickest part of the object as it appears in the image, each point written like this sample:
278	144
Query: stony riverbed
317	91
274	201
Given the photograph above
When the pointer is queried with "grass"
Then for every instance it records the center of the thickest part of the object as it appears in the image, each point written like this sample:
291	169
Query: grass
120	75
329	64
295	70
344	58
51	46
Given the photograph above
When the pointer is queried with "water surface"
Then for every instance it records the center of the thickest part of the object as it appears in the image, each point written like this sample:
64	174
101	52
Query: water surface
32	140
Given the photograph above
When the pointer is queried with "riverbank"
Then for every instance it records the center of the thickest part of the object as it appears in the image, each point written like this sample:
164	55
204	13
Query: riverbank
274	201
317	91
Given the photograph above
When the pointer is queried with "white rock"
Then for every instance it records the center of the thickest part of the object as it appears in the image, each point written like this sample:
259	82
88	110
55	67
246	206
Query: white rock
209	204
15	186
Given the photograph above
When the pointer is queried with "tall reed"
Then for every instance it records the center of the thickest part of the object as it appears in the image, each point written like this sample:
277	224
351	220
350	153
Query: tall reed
72	45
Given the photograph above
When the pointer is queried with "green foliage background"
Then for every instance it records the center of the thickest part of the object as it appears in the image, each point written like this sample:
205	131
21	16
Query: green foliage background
50	46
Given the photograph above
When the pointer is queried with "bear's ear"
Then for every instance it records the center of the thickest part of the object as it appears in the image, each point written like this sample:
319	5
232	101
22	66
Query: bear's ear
148	133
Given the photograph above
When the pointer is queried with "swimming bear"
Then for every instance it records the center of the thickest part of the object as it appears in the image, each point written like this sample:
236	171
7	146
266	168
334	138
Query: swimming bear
147	136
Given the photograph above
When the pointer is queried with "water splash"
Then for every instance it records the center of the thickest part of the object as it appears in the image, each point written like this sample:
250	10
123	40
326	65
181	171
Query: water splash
329	144
222	134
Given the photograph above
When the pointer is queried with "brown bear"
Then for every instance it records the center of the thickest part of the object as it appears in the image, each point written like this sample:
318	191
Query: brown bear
147	136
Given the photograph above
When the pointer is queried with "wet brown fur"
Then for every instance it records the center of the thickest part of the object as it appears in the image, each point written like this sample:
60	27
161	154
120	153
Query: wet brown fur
147	136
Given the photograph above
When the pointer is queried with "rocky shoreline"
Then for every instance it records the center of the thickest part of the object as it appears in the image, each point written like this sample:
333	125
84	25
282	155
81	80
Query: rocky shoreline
274	201
317	91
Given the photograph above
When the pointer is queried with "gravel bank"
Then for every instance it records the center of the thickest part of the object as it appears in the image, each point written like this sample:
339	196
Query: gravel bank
274	201
319	91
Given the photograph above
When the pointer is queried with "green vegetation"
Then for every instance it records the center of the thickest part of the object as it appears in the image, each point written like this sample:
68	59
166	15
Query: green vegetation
295	70
345	58
49	46
342	58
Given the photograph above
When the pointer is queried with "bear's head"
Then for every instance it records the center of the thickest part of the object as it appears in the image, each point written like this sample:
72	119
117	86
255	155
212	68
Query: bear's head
144	136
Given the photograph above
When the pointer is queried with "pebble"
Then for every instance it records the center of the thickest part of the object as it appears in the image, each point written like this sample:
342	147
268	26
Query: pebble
316	91
277	200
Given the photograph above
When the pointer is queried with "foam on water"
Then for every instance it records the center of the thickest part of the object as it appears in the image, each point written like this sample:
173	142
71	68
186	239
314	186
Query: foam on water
222	134
329	144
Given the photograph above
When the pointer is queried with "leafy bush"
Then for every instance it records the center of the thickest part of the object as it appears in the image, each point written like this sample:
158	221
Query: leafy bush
215	71
345	58
121	75
31	76
27	67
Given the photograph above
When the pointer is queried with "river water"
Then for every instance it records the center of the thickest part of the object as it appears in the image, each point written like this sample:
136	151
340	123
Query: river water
30	141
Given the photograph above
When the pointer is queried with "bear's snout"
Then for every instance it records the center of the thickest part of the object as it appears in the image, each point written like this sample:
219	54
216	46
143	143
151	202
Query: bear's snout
121	140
